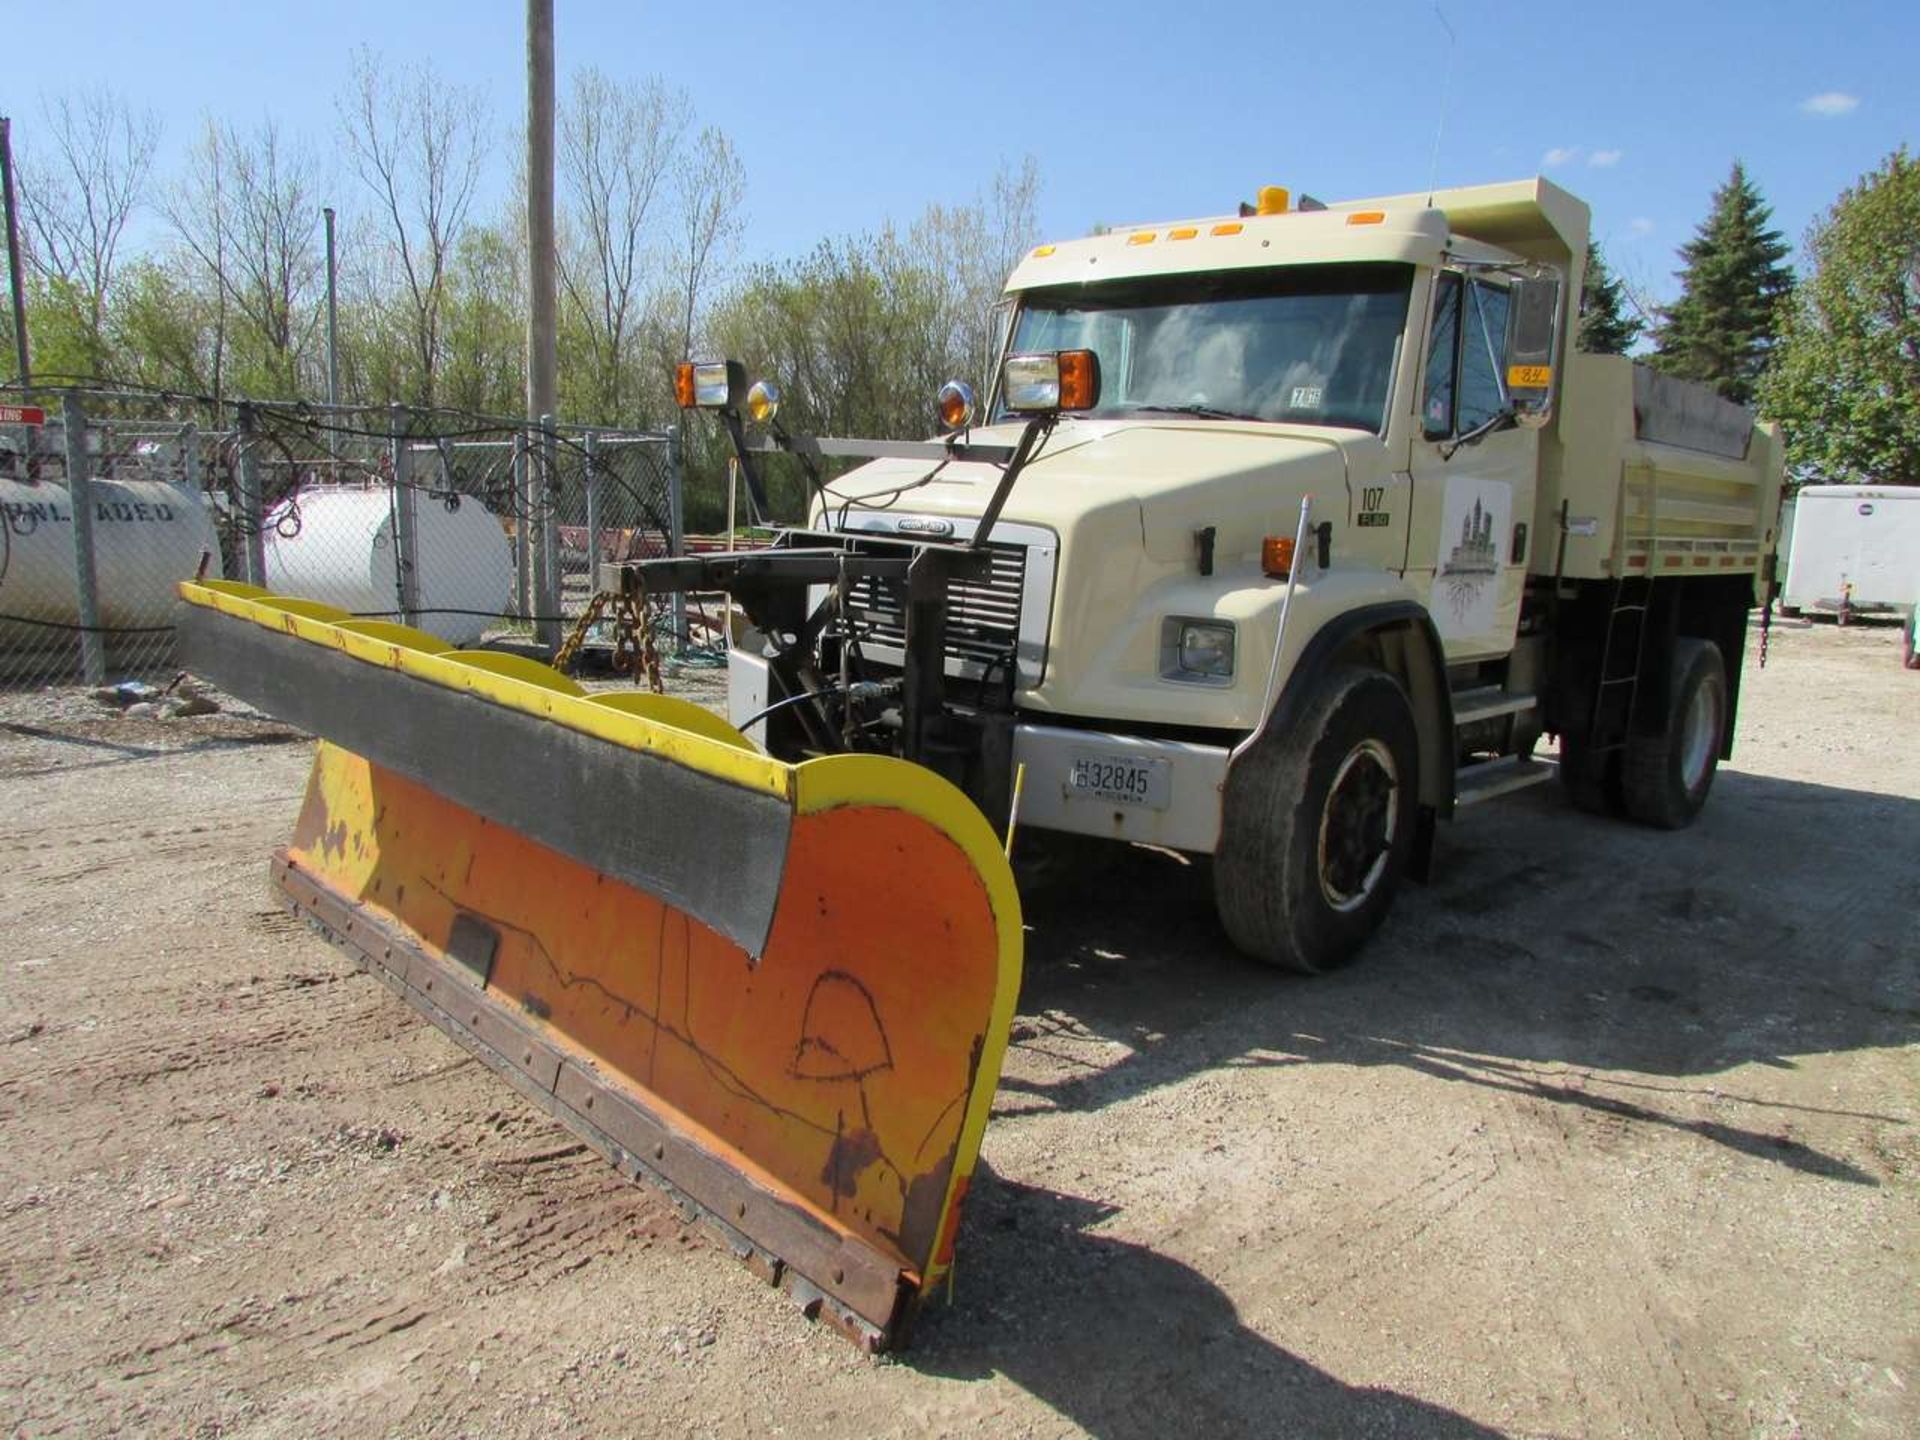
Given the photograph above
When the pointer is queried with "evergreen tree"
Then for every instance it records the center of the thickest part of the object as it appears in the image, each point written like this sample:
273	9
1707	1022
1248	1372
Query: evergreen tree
1845	382
1607	327
1721	330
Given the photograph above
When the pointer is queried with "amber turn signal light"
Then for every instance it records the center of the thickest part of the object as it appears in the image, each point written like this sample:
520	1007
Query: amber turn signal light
683	385
1276	556
1079	379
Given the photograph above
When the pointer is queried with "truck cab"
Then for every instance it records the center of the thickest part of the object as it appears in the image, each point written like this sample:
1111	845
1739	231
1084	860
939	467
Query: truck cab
1326	526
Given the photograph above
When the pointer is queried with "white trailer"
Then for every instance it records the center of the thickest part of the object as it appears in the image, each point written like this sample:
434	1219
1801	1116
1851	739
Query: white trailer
1854	550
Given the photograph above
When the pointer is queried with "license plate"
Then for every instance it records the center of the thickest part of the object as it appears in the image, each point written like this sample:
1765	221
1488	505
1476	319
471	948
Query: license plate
1120	781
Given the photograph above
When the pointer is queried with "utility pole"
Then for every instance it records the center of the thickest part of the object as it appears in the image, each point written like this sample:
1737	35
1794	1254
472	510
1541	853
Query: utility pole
540	257
333	317
22	361
541	304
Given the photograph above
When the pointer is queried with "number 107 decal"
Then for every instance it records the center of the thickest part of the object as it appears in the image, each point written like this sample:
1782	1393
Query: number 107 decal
1373	507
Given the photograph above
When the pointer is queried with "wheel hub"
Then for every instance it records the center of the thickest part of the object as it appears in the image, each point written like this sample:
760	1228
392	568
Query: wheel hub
1358	825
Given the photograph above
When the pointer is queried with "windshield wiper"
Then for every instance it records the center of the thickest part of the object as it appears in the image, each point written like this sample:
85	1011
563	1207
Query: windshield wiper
1204	412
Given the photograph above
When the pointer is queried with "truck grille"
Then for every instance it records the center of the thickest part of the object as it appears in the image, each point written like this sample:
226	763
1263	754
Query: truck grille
983	617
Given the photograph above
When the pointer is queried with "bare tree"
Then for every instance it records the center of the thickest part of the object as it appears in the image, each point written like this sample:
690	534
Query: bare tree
975	246
248	212
708	181
617	145
196	207
416	144
80	185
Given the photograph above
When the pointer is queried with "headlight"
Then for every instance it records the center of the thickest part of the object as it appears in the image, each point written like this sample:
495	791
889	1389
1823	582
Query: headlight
710	384
1057	380
954	405
1197	649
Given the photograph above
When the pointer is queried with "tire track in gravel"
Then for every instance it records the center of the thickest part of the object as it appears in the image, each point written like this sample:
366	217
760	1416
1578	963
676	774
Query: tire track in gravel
1638	1317
1440	1199
568	1209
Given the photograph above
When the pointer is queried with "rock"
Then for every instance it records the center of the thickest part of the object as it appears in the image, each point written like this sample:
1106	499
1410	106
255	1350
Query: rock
145	710
183	707
127	692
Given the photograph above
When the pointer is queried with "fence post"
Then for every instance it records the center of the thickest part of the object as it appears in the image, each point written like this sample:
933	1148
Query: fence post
253	522
549	570
190	483
93	653
593	511
524	507
677	533
405	528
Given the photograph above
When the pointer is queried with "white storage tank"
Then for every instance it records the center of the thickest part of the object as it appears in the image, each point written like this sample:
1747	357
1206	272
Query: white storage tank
337	546
148	535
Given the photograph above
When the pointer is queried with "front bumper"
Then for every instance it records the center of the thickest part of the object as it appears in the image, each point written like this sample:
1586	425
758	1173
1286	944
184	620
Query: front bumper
1191	786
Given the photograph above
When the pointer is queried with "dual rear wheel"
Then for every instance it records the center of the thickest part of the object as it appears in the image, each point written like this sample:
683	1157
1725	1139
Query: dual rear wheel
1660	779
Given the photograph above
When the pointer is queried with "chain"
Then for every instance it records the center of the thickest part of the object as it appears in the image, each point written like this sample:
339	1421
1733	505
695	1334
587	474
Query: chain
634	651
569	650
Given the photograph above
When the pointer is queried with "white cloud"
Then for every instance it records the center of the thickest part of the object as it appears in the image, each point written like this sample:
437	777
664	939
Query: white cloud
1830	103
1558	156
1640	225
1604	159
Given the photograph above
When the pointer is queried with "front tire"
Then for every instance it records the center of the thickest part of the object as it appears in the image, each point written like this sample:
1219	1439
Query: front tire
1664	778
1318	825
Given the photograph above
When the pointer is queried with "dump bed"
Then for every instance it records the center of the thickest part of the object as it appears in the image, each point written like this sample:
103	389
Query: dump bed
1643	474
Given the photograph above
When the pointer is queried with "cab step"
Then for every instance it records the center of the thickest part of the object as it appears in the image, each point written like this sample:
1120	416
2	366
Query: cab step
1487	703
1500	776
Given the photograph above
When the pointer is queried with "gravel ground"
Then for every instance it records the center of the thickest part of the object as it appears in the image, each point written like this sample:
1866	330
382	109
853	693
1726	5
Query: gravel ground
1611	1133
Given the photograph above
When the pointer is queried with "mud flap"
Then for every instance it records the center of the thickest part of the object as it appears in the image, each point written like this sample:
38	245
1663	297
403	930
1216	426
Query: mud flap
780	992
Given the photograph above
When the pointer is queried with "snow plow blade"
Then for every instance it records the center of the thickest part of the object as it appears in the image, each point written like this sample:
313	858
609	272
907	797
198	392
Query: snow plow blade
781	992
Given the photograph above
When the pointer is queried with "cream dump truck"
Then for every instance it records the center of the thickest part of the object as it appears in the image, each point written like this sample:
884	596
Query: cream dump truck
1283	535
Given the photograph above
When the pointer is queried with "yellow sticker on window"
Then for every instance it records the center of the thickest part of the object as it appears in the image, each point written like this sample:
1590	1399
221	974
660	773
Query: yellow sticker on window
1529	377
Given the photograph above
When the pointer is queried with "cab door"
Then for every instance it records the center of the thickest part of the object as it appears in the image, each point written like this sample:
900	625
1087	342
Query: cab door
1473	474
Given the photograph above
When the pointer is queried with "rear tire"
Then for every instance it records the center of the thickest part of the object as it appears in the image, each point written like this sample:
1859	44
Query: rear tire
1664	778
1318	825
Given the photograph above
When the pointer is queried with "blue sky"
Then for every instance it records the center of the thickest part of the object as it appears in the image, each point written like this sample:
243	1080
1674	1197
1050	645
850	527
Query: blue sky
846	116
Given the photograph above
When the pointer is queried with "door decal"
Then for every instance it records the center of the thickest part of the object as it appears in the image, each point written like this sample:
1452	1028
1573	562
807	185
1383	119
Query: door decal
1474	522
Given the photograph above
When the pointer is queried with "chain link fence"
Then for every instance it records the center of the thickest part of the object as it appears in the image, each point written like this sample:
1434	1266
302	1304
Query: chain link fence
481	530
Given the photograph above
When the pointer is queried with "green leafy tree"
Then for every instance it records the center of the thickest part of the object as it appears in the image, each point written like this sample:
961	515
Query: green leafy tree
1722	328
1608	325
485	328
162	326
1846	377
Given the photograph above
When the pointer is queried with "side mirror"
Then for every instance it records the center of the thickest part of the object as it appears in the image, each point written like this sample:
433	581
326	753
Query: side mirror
1533	333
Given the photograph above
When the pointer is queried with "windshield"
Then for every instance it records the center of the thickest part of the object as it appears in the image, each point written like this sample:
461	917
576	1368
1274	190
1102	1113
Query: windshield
1311	344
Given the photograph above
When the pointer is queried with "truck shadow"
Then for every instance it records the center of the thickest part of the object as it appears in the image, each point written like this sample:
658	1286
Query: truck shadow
1125	1342
1781	925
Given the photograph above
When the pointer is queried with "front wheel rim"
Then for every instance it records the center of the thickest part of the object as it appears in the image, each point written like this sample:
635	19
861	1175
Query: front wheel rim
1359	822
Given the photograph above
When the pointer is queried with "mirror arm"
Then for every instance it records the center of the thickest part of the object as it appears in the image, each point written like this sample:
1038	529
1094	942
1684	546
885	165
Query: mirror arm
1500	420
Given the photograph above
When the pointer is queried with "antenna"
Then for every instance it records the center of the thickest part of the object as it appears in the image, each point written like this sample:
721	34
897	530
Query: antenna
1446	92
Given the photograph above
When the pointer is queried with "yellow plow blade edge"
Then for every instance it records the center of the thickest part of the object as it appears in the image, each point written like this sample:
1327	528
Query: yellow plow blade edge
780	991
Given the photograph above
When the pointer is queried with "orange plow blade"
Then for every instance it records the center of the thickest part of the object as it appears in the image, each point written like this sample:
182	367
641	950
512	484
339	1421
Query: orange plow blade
781	992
